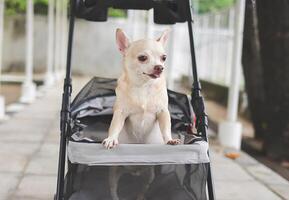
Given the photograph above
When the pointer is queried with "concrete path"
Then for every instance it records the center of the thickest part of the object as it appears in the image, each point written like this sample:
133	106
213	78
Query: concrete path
29	153
246	179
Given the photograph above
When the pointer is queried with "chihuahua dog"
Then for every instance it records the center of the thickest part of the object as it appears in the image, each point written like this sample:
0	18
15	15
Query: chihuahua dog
141	112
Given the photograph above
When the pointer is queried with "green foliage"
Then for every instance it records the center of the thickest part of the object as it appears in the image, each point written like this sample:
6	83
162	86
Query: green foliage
213	5
116	12
19	6
14	6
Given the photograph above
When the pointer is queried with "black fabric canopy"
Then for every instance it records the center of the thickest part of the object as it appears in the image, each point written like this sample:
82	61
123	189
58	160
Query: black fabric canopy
165	11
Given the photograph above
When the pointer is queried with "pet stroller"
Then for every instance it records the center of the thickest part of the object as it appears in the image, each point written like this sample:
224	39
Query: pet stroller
131	171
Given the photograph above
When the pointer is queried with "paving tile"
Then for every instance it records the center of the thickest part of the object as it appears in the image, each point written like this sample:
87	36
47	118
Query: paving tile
230	172
219	159
49	150
8	184
243	190
282	190
54	133
22	136
27	198
42	166
246	160
15	156
25	124
45	115
37	187
11	162
18	148
40	109
266	175
53	137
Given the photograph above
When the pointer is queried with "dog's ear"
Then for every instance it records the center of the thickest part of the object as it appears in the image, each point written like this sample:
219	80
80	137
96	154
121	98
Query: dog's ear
164	37
121	40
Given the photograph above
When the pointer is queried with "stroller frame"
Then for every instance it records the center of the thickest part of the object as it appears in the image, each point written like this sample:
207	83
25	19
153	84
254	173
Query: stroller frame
197	102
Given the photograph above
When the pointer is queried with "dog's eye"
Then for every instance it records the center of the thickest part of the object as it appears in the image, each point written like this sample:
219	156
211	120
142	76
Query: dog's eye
163	58
142	58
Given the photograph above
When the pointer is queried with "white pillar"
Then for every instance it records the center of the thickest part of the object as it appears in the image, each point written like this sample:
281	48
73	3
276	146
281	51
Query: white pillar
229	47
216	47
49	78
28	87
134	25
130	23
64	36
57	51
171	57
2	99
230	131
205	47
138	30
150	24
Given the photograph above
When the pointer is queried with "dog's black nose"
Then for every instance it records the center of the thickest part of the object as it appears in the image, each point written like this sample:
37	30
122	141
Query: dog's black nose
158	68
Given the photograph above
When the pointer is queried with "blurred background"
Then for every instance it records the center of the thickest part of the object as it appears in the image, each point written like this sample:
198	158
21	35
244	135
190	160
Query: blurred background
242	50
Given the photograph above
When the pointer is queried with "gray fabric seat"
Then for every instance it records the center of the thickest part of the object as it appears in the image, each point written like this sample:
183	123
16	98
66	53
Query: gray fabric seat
137	154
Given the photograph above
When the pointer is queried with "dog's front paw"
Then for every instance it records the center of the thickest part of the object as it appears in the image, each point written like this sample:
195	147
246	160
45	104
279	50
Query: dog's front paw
174	142
110	142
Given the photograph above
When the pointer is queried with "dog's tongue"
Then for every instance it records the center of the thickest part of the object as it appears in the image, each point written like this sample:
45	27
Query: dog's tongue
154	75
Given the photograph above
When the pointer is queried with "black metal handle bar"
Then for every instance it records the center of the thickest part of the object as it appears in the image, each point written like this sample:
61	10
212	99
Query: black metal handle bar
65	109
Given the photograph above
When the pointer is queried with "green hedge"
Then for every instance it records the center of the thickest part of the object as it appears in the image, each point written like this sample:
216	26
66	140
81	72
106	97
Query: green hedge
19	6
213	5
116	12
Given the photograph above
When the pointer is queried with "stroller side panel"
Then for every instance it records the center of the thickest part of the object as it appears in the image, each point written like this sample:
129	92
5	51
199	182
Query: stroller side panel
159	182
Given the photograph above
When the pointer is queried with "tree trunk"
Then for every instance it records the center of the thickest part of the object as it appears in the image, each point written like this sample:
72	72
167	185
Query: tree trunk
273	24
253	72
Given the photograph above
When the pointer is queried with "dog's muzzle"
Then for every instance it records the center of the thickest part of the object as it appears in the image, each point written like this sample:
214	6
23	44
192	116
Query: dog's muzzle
158	69
153	75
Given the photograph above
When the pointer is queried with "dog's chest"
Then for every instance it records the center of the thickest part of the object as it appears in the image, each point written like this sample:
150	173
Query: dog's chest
144	109
145	102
